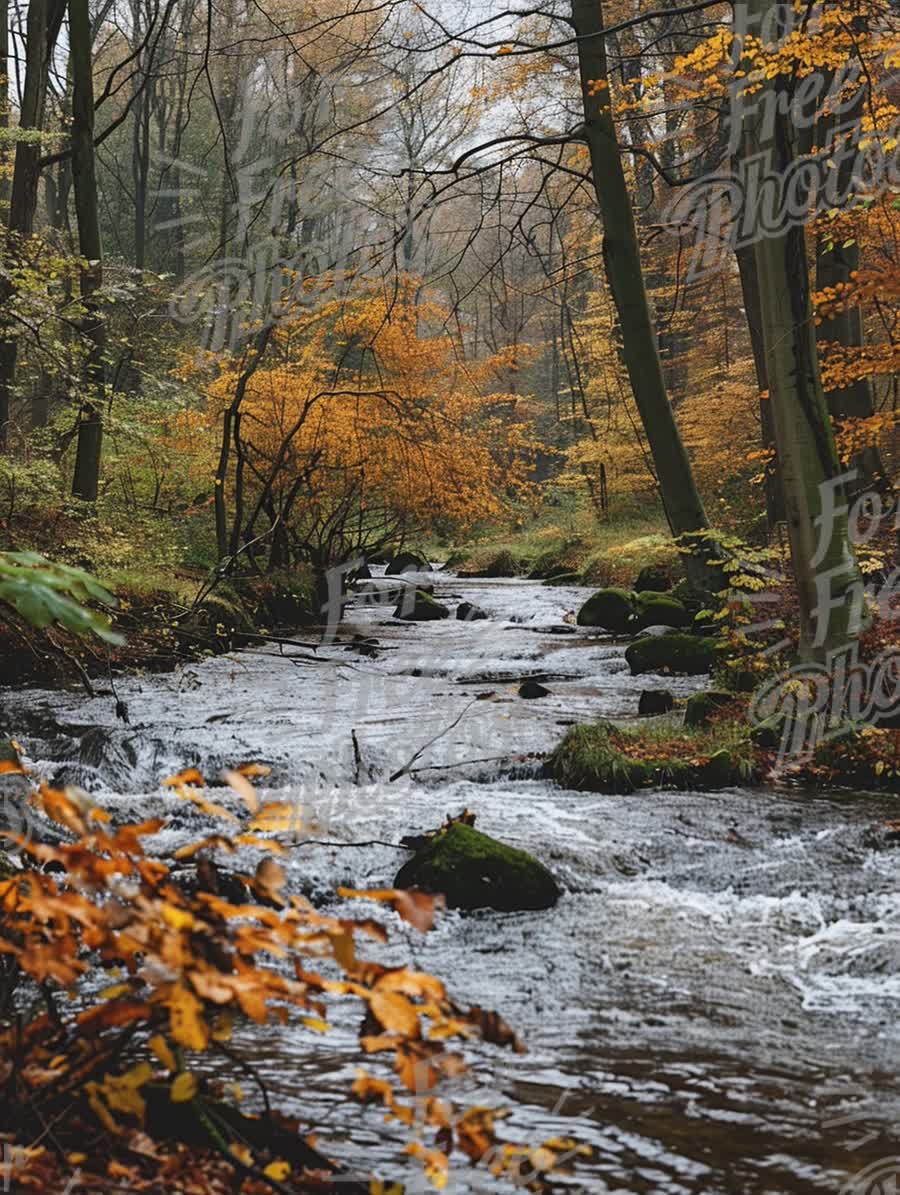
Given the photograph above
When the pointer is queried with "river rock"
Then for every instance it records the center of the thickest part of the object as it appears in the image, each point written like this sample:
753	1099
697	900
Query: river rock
658	609
532	688
702	706
612	609
407	562
468	612
655	701
652	578
419	606
474	871
677	652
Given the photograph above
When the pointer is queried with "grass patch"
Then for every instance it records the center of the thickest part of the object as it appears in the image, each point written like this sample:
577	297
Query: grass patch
607	758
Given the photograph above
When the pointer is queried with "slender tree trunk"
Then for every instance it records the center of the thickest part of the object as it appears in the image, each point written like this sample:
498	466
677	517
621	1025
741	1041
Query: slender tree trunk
828	582
4	98
746	260
90	419
621	255
41	30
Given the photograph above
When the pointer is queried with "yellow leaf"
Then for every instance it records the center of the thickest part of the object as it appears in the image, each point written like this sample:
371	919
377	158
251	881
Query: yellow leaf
316	1023
160	1048
277	1170
177	918
184	1088
188	1027
117	989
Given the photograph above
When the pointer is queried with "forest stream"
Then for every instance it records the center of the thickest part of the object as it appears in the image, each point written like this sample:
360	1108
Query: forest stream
713	1004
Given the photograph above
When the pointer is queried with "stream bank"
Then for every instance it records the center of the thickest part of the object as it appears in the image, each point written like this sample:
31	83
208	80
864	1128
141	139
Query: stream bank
713	1003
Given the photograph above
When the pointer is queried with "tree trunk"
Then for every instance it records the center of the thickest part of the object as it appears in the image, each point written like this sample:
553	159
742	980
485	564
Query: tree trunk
621	255
90	419
746	260
4	96
829	586
41	30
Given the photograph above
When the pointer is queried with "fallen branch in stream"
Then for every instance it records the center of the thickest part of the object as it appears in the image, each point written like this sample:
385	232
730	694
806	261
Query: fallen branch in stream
409	763
446	767
396	846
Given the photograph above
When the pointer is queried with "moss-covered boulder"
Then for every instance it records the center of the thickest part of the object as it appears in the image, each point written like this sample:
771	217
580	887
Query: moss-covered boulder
475	871
702	706
658	610
655	578
612	609
419	606
550	566
691	655
407	562
655	701
468	612
286	597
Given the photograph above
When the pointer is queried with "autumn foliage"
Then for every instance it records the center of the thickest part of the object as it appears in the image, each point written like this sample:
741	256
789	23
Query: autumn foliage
365	423
112	1079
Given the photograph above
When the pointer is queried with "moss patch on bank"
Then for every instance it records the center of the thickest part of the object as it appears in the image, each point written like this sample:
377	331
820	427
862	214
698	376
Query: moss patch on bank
602	757
579	550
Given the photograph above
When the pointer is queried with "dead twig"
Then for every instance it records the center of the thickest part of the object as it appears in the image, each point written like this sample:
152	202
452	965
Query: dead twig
409	763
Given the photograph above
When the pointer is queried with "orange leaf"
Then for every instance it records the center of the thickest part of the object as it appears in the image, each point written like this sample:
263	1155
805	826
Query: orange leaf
395	1013
188	776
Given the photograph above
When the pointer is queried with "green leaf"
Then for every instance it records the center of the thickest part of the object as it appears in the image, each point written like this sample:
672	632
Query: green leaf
44	592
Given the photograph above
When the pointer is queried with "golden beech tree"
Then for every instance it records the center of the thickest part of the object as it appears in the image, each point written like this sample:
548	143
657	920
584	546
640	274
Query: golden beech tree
365	424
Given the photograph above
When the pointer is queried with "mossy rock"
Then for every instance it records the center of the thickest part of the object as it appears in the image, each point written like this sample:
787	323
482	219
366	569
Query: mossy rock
612	609
691	655
419	606
659	610
653	702
474	871
719	771
407	562
285	598
549	567
653	578
702	706
767	735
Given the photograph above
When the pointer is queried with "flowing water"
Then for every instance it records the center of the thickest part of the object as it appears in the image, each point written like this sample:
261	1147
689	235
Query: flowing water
713	1004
